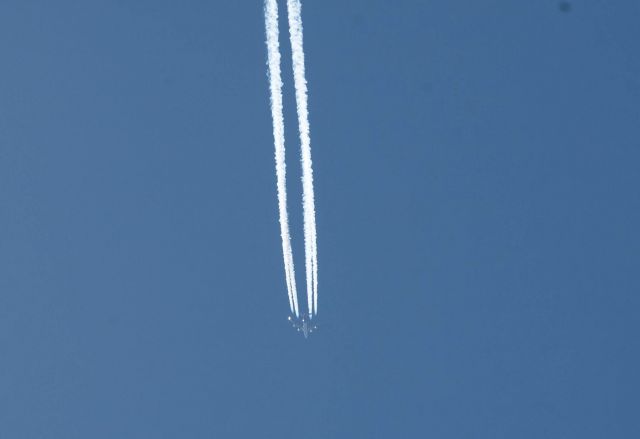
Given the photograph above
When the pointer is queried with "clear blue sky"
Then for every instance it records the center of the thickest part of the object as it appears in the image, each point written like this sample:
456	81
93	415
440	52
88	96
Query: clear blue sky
477	182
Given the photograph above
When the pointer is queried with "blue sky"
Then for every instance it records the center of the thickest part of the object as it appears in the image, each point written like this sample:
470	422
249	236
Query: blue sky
476	168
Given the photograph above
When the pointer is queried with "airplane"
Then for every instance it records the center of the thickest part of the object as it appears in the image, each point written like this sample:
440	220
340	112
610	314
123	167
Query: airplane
303	325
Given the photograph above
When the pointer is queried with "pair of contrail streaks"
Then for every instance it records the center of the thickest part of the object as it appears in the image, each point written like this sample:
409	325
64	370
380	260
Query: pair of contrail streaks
275	85
275	81
295	33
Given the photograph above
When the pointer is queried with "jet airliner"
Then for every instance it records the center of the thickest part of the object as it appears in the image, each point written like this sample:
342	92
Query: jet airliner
303	325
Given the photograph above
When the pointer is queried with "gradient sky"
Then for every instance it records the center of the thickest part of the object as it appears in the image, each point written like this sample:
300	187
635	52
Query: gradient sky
477	178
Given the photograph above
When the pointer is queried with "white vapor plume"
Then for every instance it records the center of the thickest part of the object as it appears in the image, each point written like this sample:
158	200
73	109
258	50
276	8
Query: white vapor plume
275	86
311	253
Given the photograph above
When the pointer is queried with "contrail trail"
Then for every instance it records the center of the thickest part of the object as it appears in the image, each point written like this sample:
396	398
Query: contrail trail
275	86
308	202
311	253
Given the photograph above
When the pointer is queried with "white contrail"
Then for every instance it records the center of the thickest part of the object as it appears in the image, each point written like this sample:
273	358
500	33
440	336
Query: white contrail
311	259
275	85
